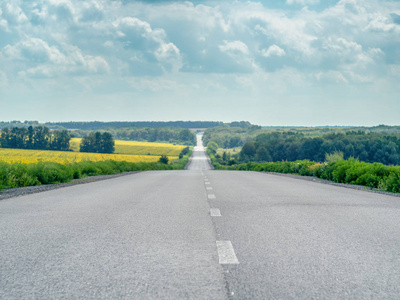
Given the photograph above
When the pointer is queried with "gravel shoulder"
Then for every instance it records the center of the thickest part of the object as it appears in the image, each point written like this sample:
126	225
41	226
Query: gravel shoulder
16	192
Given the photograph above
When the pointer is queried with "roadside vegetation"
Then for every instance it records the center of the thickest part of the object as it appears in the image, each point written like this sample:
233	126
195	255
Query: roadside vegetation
358	157
289	146
37	155
350	171
14	175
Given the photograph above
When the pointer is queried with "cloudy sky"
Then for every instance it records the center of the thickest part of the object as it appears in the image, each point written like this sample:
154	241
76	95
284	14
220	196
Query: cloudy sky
271	62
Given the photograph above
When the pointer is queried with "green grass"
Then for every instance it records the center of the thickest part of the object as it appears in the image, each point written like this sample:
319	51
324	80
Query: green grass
351	171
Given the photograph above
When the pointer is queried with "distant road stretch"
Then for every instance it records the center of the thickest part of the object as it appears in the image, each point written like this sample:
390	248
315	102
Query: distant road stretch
199	160
200	234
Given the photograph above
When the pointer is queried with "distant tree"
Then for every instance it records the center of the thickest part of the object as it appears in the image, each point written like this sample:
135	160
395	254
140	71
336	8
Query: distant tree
184	152
248	151
107	143
60	140
4	138
235	141
163	159
87	143
39	137
17	137
212	147
262	154
224	156
241	124
311	149
97	142
29	142
187	136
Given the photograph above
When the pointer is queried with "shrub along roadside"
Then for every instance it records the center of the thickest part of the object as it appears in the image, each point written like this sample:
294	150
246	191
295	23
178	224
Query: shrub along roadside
351	171
20	175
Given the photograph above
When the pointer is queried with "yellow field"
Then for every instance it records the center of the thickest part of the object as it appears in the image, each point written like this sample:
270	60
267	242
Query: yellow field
138	148
63	157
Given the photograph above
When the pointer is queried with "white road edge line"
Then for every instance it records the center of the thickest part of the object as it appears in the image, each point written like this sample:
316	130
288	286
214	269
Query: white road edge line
211	196
215	212
226	253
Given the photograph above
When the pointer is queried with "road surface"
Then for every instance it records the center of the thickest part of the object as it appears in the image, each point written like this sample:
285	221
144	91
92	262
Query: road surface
200	234
199	160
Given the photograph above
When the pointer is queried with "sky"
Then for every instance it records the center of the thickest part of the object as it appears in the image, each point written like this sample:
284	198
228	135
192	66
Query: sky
270	62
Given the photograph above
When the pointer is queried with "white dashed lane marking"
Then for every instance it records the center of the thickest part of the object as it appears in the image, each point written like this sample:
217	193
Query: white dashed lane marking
209	188
226	253
215	212
211	196
207	182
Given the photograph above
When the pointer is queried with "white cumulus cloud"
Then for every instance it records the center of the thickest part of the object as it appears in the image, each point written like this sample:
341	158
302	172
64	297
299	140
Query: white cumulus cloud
234	47
13	13
47	60
273	50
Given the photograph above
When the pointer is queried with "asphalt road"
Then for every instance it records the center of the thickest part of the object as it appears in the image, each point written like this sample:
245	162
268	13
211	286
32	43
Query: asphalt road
200	234
199	160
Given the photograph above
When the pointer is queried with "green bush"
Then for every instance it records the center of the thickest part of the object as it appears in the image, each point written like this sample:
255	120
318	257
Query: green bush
392	182
351	171
163	159
212	147
16	175
49	172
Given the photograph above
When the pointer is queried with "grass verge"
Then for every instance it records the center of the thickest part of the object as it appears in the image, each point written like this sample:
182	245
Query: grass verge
351	171
20	175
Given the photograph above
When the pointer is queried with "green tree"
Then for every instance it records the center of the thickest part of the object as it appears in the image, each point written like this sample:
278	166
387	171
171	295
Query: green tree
212	147
262	154
163	159
60	140
97	142
187	136
248	151
107	143
41	138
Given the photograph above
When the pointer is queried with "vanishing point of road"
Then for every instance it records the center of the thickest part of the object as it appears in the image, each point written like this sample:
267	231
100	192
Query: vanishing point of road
200	234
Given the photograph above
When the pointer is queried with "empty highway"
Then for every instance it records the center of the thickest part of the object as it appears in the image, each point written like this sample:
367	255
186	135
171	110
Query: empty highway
200	234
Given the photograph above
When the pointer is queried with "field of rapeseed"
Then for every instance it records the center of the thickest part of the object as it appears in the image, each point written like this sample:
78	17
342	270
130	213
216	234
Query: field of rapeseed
138	148
129	151
64	157
19	167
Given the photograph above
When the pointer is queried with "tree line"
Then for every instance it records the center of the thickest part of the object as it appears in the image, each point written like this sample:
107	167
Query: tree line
42	138
232	135
276	146
97	142
165	134
236	134
38	138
